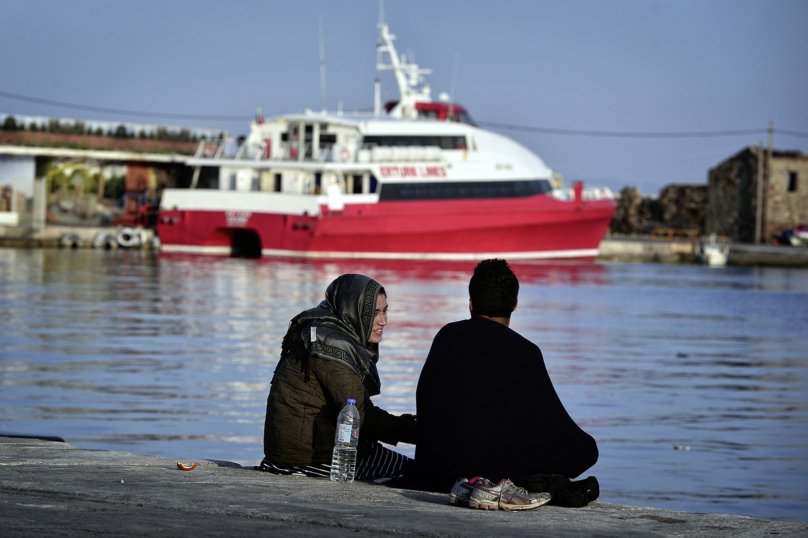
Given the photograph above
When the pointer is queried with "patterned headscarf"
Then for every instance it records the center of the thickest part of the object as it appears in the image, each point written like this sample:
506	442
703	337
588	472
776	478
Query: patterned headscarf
343	323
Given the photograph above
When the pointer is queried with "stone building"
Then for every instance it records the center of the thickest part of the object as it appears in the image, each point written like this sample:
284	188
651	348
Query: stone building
734	197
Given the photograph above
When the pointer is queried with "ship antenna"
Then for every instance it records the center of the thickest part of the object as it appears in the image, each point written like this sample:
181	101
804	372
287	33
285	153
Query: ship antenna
322	64
411	88
454	75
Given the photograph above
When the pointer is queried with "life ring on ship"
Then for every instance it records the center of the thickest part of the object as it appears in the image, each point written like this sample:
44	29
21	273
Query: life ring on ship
209	150
345	154
129	237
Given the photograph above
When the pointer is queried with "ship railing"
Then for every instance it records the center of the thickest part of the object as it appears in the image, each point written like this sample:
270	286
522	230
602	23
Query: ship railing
375	153
674	234
208	149
212	149
290	151
592	193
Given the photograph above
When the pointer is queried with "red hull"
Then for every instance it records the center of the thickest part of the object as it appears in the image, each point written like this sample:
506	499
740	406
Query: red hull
537	226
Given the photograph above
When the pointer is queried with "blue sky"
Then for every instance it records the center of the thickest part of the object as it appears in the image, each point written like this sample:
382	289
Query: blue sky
614	66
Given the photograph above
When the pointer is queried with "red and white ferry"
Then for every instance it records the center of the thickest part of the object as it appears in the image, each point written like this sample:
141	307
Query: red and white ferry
415	180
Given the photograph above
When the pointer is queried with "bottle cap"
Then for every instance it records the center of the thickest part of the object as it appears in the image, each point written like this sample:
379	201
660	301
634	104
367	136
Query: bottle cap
351	401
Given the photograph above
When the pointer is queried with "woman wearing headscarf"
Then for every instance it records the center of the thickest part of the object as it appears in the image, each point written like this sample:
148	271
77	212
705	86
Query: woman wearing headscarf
329	355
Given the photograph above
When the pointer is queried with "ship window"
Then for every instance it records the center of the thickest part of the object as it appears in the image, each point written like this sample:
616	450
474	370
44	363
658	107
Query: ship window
465	117
430	114
327	140
373	184
464	190
277	183
792	182
354	184
443	142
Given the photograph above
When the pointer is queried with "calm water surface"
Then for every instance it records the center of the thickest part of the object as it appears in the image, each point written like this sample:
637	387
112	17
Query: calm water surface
172	355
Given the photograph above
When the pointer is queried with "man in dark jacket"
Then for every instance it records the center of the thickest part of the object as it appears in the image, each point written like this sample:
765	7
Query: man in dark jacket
486	405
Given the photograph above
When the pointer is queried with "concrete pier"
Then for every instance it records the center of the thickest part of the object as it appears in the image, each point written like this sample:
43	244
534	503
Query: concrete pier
50	236
650	250
52	488
612	249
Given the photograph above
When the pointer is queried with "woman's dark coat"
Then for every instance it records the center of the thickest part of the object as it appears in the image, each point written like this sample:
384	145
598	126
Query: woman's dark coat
315	378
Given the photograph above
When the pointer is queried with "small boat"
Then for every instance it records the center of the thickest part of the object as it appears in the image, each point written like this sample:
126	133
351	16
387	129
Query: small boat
414	179
714	252
797	236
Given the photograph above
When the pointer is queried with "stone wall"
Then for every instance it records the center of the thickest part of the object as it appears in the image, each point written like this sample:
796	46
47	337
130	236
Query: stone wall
677	206
683	207
786	209
732	197
630	217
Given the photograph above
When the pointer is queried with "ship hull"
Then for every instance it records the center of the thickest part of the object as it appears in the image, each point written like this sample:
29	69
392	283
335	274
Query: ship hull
517	228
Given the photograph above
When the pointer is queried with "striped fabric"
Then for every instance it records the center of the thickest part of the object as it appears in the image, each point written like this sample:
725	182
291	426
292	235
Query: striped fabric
381	463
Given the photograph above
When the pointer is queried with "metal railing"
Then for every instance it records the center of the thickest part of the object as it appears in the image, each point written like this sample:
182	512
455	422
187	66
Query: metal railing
675	234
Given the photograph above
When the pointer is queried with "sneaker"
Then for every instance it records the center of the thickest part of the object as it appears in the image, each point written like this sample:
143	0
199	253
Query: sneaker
505	495
461	491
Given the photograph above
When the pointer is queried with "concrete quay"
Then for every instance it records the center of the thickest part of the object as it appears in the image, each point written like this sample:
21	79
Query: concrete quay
52	488
50	236
649	250
642	249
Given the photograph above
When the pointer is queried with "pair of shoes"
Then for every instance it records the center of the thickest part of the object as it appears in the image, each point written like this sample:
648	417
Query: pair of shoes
461	491
505	495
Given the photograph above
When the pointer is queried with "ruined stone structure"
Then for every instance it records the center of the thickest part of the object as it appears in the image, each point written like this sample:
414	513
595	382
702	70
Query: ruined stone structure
680	207
683	207
732	207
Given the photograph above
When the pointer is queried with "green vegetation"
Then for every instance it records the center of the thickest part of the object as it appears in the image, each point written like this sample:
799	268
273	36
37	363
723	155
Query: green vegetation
77	177
115	187
120	132
10	124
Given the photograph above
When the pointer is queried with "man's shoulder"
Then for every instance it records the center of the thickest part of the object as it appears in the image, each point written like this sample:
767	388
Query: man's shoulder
485	329
455	326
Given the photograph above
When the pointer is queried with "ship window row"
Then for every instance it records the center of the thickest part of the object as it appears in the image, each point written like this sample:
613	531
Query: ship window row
464	189
326	140
443	142
457	117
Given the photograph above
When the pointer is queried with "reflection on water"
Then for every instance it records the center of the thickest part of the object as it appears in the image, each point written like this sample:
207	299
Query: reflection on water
172	355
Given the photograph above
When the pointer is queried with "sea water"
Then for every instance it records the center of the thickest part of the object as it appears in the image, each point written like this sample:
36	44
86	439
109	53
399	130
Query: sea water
172	355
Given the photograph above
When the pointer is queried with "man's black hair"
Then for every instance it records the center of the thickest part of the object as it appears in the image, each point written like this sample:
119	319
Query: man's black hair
493	289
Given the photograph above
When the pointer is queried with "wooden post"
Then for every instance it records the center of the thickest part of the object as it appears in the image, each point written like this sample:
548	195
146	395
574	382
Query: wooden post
767	175
759	198
101	183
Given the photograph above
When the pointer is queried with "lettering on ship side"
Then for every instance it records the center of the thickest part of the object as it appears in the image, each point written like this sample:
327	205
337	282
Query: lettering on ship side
412	171
237	219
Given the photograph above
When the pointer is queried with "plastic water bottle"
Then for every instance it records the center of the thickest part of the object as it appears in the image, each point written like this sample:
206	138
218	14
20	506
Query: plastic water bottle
343	463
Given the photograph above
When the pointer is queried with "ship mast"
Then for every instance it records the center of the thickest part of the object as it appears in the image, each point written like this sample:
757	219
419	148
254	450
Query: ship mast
411	87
